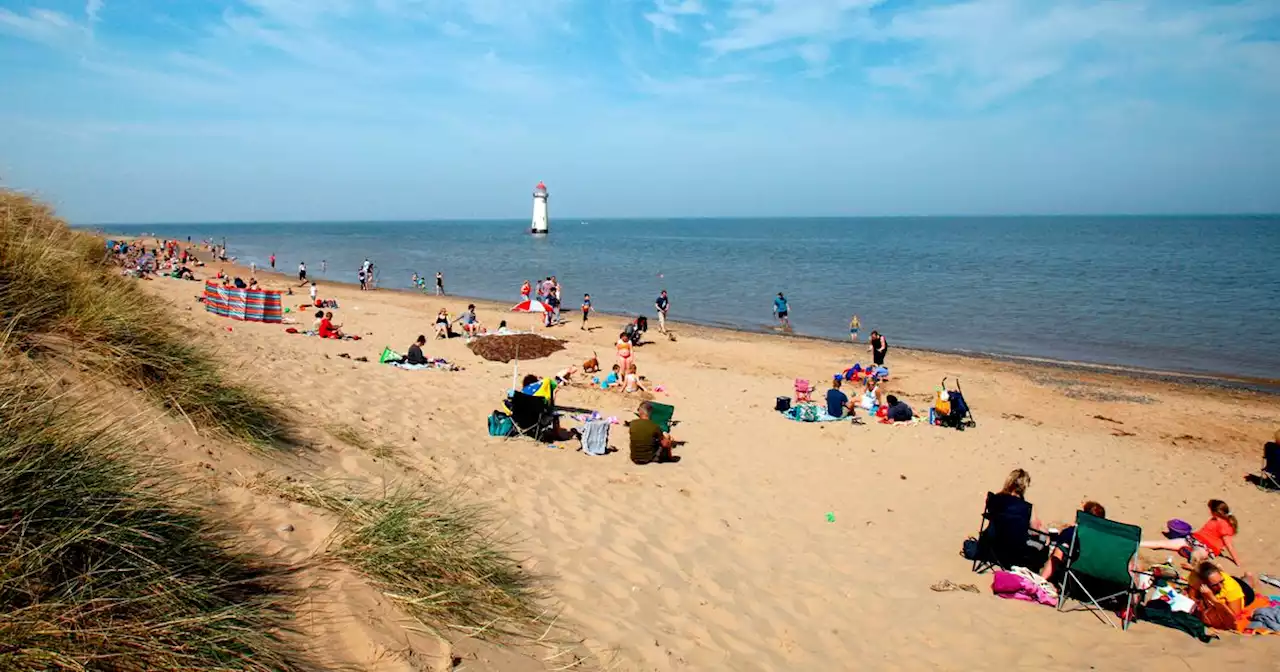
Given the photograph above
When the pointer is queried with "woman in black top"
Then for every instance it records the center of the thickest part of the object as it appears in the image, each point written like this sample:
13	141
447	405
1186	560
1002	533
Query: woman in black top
879	347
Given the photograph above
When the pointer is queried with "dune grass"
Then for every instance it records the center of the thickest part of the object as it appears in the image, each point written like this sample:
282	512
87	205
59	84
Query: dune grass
100	569
425	548
60	297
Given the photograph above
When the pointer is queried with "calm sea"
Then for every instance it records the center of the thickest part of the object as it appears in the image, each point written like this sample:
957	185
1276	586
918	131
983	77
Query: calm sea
1195	294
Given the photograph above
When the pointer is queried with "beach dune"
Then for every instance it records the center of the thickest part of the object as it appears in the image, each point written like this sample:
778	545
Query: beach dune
776	545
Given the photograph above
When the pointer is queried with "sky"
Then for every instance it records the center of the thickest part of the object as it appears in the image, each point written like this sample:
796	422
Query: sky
282	110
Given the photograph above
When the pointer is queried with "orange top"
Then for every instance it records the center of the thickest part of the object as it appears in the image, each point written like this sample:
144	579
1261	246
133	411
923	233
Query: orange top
1213	535
624	348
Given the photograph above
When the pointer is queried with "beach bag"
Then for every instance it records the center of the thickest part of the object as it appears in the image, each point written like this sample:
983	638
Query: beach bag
500	424
808	413
1178	529
943	403
782	404
389	355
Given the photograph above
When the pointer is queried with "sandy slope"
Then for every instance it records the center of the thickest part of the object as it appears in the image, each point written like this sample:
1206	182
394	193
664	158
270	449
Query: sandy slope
727	560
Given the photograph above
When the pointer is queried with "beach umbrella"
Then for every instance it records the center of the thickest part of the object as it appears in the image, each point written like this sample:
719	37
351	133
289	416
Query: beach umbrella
531	306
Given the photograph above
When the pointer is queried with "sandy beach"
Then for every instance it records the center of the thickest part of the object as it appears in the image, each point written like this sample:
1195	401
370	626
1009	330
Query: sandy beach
729	559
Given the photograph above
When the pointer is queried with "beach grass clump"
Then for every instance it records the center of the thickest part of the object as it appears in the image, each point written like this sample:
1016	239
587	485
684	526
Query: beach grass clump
430	552
102	569
62	298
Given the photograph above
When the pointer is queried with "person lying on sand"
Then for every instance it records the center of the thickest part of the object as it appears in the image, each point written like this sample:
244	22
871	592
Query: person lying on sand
328	329
1220	598
898	410
1214	539
649	443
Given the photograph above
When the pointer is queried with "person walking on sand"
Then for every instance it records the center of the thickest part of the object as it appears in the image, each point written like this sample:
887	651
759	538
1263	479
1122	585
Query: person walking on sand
854	325
879	347
302	273
273	261
439	283
586	310
781	310
662	304
313	291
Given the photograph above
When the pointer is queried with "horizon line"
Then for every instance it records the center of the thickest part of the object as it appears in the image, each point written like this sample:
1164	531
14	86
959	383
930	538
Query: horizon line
614	218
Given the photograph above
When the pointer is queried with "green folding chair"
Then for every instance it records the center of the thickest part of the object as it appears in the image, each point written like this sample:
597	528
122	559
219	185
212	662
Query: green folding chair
1099	558
661	414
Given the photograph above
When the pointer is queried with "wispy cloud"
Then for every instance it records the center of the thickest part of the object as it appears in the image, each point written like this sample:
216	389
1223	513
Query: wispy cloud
667	16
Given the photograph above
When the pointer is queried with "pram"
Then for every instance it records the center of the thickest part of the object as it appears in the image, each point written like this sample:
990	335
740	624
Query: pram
959	416
635	330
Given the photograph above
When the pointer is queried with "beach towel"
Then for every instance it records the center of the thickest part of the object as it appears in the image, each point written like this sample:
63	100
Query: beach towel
1014	587
595	437
807	412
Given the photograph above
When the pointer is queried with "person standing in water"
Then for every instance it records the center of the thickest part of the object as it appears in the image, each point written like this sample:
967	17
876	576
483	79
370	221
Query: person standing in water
854	325
302	273
273	261
324	265
440	283
781	310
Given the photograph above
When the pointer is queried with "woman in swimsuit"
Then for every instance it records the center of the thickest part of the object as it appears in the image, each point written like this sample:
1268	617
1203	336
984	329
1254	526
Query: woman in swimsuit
625	354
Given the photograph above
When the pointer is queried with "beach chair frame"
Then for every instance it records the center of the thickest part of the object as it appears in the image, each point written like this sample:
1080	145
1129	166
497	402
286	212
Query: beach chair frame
1088	525
661	415
1269	475
532	416
991	555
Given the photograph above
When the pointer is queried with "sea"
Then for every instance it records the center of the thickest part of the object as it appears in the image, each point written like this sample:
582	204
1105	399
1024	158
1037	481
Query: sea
1191	294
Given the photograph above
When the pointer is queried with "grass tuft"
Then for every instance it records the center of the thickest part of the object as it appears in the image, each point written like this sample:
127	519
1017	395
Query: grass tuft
100	569
428	551
61	297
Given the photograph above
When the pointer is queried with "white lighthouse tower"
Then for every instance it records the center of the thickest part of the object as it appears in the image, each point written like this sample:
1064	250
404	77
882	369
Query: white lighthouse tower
540	197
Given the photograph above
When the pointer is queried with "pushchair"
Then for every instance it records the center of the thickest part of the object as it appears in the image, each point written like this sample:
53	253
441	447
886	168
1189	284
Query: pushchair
635	330
958	416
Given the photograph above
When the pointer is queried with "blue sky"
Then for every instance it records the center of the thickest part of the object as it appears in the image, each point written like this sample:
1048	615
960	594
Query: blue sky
187	110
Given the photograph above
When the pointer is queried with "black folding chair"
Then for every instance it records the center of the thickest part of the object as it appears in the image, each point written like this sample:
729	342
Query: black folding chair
1005	537
1269	479
532	416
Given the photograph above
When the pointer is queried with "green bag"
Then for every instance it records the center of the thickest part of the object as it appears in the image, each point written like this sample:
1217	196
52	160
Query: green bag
389	355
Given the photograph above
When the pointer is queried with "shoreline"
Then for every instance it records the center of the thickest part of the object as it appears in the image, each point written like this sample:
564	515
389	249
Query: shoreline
1263	386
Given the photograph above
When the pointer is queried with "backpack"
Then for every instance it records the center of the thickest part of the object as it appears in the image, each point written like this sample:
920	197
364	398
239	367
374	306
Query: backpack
500	424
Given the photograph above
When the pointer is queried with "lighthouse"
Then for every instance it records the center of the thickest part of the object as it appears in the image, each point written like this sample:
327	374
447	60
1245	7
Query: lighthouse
540	197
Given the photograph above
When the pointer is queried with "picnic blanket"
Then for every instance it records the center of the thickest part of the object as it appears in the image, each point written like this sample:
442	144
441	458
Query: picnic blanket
807	412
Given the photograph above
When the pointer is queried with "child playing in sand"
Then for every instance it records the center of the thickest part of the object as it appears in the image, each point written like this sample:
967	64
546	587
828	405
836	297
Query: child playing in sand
313	291
633	381
1214	539
612	379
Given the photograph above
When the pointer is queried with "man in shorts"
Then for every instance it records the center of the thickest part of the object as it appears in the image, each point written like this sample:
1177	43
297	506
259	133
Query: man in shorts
662	304
781	309
649	443
439	283
302	273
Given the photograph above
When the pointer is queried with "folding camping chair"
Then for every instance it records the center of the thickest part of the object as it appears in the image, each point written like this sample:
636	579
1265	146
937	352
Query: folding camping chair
804	391
532	416
1269	478
661	414
1100	556
1005	537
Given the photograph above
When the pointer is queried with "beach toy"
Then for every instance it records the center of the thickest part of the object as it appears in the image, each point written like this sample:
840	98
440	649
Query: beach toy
1177	529
659	388
831	517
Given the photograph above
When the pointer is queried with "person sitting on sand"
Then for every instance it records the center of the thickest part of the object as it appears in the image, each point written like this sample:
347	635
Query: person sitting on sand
1214	539
898	410
502	328
612	379
415	355
649	443
315	325
328	329
632	381
1221	599
253	282
442	324
837	401
1058	556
